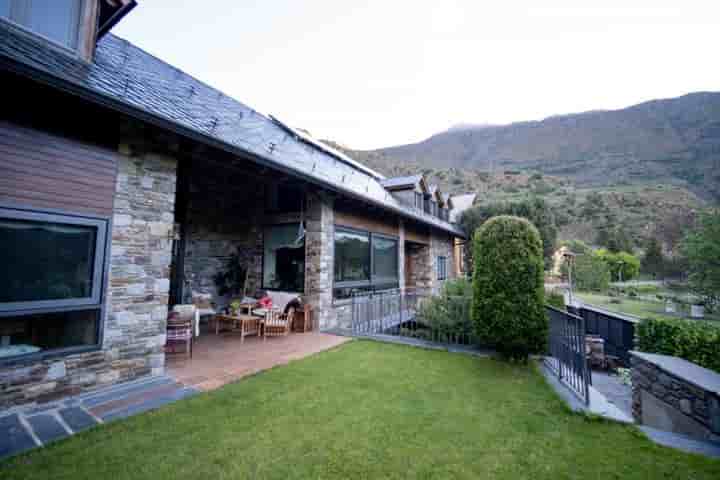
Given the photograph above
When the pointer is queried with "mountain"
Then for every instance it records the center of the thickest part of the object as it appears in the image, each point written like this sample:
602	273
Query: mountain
647	169
671	142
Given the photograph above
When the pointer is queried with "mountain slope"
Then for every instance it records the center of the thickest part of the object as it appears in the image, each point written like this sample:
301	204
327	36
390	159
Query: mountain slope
674	141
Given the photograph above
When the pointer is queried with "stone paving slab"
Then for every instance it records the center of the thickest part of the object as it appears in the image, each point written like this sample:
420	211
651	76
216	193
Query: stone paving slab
47	427
77	418
681	442
36	425
14	437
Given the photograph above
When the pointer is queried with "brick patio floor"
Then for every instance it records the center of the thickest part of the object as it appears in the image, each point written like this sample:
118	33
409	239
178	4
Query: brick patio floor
221	359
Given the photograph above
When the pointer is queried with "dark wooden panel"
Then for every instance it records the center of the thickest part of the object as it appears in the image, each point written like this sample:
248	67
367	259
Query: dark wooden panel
47	171
386	224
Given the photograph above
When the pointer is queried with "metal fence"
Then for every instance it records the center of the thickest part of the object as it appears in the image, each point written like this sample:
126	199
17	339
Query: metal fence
566	346
407	313
616	330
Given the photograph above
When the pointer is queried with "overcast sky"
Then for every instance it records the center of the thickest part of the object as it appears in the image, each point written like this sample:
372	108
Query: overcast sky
370	73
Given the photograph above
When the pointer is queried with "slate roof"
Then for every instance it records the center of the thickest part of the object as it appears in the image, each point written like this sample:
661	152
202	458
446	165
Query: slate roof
395	183
125	78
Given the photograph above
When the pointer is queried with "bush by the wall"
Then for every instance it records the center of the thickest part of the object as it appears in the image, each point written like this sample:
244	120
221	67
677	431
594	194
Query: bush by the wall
446	317
693	340
508	294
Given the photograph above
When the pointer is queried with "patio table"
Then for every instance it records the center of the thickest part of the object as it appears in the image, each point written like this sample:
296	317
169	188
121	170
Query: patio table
245	324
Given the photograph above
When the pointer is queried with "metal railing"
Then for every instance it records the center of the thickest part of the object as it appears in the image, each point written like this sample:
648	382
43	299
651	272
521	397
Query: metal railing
616	330
566	346
400	313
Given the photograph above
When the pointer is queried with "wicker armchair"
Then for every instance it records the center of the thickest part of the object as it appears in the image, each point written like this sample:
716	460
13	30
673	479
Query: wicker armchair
278	324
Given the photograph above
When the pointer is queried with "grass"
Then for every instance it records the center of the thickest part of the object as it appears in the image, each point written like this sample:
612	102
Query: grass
638	308
367	410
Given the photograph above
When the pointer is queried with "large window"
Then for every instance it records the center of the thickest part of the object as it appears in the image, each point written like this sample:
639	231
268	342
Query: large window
364	261
284	258
57	20
352	256
51	284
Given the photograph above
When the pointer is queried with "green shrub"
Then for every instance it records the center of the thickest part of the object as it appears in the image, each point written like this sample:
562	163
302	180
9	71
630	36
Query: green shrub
695	341
508	294
447	317
555	299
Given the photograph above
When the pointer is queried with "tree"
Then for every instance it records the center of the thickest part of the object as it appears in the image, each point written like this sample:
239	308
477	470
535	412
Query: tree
615	239
653	262
623	265
702	250
508	292
536	210
590	272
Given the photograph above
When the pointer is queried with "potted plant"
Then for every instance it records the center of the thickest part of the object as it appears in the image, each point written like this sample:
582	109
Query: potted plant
234	307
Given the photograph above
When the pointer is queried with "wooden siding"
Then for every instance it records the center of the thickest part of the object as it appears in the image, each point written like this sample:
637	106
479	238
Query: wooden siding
378	222
40	170
417	234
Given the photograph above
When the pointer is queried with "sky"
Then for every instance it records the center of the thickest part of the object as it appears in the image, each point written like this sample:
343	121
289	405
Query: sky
376	73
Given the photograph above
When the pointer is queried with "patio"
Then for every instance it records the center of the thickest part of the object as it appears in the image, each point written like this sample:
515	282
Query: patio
221	359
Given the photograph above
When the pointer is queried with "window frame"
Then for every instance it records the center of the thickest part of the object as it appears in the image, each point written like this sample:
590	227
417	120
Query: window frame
12	210
441	267
100	253
262	259
19	12
372	281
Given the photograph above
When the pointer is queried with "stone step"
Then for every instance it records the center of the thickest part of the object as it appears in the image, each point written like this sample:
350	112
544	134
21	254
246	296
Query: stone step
107	394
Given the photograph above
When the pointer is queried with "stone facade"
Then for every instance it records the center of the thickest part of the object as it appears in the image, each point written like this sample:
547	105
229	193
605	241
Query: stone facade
319	257
423	271
137	293
669	401
224	216
441	244
141	254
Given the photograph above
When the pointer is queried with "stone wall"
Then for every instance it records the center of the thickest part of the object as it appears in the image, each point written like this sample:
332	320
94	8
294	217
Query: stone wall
441	244
420	273
319	258
423	258
139	280
224	216
673	394
137	293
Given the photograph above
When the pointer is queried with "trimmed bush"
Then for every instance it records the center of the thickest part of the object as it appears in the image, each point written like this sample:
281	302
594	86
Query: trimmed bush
695	341
508	294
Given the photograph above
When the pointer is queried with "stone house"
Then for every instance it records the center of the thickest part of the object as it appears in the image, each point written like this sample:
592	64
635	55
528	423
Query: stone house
126	185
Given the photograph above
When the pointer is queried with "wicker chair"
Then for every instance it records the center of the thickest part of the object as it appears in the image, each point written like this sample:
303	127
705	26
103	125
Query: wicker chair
278	324
180	331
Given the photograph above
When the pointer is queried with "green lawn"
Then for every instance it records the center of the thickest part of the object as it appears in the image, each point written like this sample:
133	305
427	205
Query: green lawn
367	410
639	308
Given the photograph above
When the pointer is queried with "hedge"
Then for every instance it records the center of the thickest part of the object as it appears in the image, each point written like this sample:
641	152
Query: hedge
694	340
508	294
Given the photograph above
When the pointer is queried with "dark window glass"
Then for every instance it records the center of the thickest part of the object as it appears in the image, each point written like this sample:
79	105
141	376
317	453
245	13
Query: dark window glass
27	334
284	258
352	256
385	259
45	261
